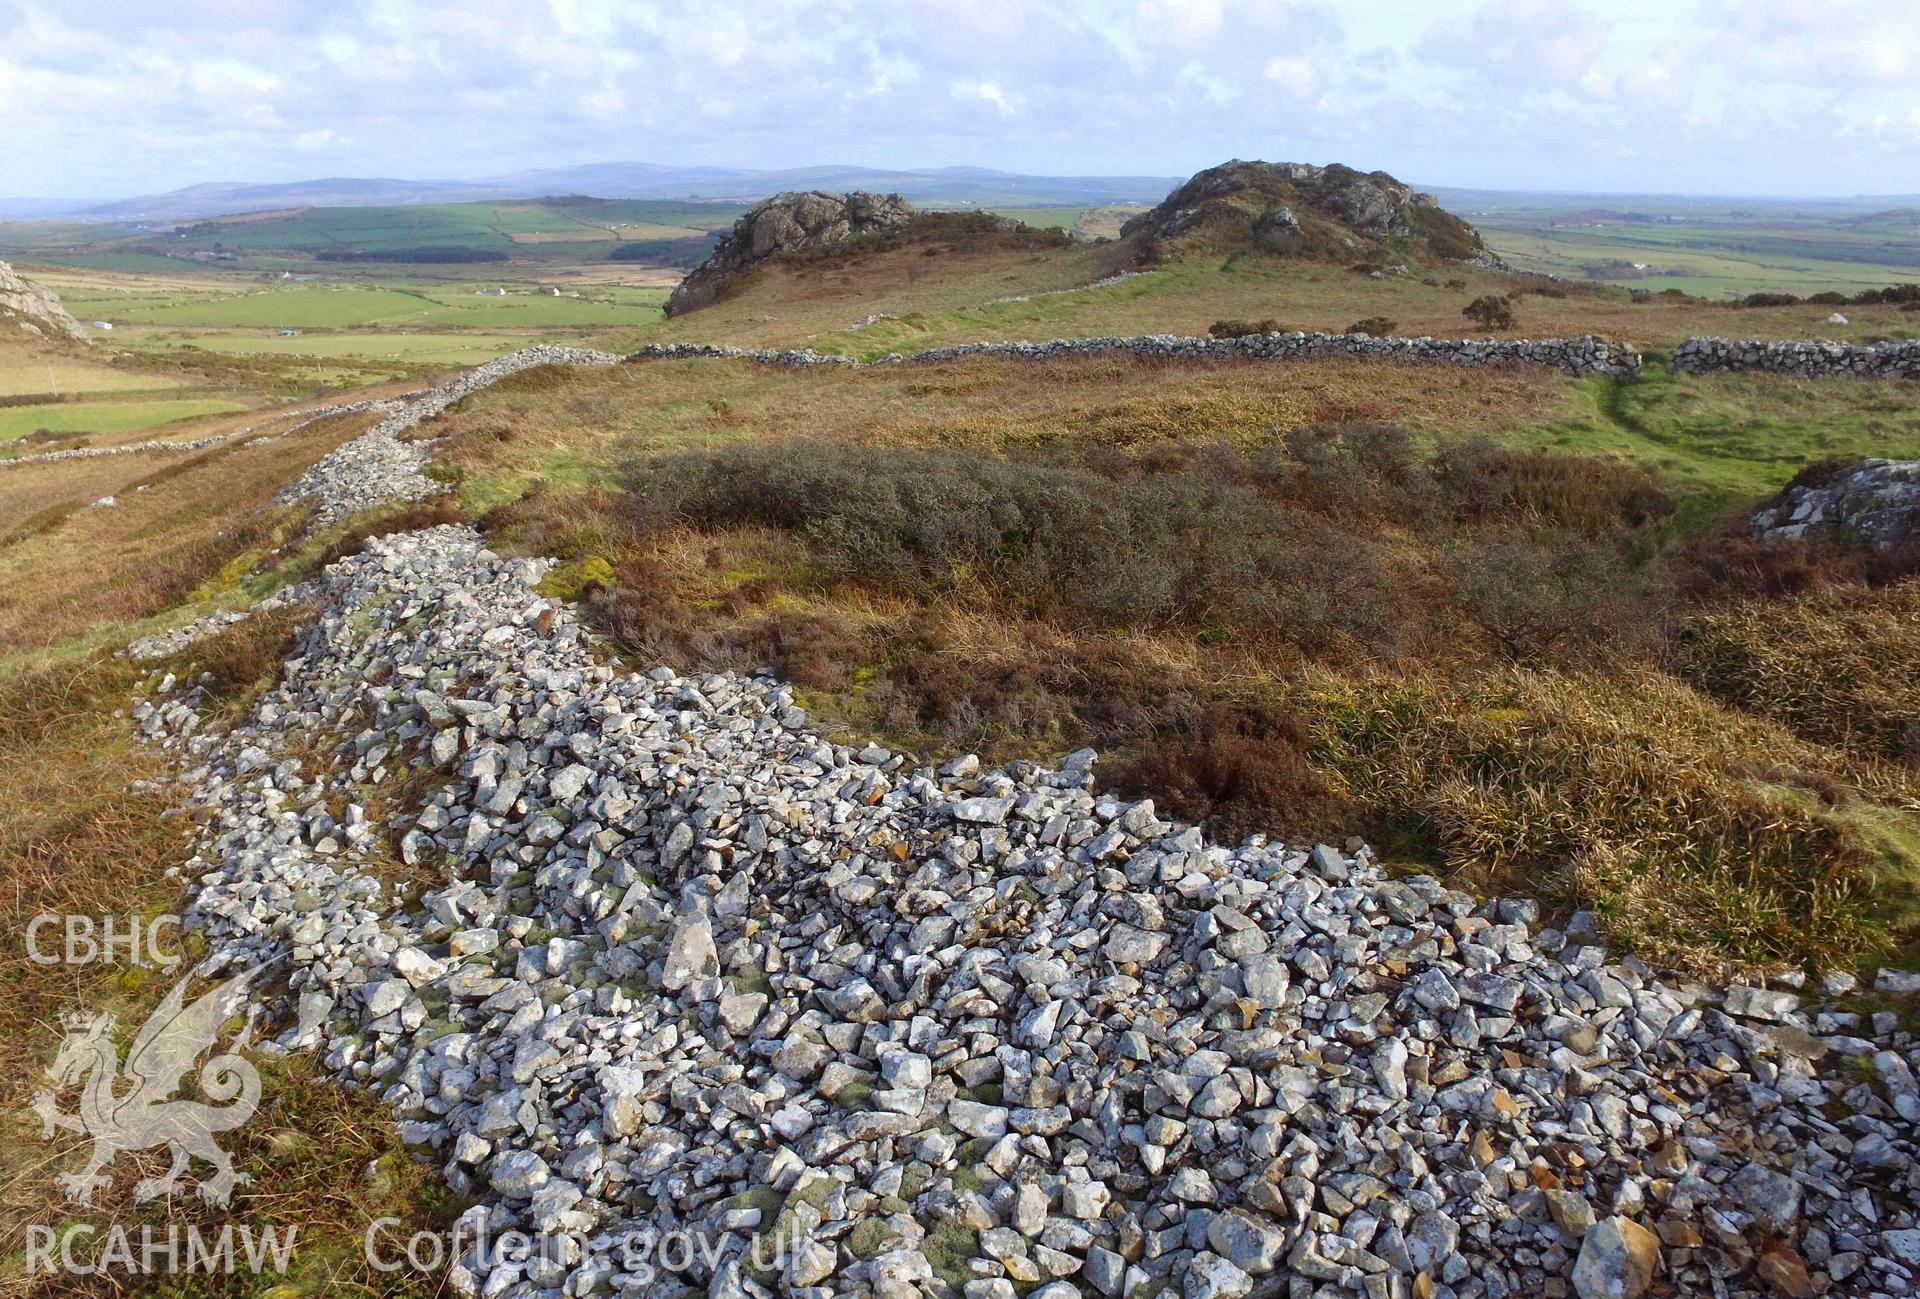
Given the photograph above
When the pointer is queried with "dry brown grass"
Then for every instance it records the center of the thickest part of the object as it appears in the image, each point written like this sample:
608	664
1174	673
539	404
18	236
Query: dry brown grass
1697	832
79	569
1839	666
789	302
88	833
577	430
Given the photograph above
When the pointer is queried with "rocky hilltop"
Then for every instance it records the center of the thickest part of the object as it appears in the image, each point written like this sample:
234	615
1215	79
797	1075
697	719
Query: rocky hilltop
1298	209
34	308
786	223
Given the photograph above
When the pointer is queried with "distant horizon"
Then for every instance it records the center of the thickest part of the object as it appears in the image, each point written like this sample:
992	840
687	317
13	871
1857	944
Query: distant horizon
981	169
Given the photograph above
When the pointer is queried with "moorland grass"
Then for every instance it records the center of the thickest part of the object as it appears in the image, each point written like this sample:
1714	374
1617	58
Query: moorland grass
90	834
1309	634
1042	295
1839	666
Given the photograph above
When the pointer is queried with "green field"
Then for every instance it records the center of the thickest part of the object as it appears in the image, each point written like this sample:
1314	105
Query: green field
413	348
24	375
1711	248
1089	222
107	416
362	241
401	319
317	306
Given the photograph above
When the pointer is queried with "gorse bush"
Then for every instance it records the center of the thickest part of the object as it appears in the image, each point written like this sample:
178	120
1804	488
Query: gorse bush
1184	547
1894	294
1539	596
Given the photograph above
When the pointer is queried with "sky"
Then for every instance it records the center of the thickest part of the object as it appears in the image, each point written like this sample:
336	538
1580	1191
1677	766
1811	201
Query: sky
112	98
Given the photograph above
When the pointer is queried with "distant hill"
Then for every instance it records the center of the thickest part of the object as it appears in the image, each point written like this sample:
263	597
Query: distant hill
219	198
946	186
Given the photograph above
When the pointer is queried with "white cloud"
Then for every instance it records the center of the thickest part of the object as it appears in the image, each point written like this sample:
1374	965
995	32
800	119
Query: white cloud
1184	23
1292	74
986	91
1718	94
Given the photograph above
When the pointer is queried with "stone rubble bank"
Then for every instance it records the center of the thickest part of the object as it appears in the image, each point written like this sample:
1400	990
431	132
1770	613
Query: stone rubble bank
165	644
684	964
379	468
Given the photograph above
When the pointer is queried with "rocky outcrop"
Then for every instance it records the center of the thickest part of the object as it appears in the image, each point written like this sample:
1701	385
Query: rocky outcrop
786	223
1874	501
34	307
1818	358
1298	209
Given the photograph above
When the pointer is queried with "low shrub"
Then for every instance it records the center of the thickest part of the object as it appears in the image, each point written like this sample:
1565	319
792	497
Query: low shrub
1727	563
1242	769
1769	300
1300	543
1185	547
1543	597
1491	311
1893	294
1242	328
1484	482
1374	327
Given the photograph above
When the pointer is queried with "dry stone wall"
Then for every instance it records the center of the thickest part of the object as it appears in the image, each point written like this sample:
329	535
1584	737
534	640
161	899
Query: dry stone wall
1587	355
1813	358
